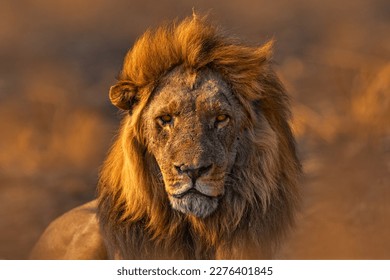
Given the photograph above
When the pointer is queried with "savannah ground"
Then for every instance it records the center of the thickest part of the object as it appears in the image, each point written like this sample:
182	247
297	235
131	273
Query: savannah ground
58	60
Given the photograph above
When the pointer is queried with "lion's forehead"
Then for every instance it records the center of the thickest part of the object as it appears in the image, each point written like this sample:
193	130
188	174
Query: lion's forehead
208	92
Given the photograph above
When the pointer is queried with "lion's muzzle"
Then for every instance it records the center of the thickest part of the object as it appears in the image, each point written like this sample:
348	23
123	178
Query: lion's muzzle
195	191
197	180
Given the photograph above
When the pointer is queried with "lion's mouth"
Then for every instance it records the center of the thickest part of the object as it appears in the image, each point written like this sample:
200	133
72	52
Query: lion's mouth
200	199
194	202
190	191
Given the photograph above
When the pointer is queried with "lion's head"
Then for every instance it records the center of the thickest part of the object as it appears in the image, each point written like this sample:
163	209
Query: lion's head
191	128
205	157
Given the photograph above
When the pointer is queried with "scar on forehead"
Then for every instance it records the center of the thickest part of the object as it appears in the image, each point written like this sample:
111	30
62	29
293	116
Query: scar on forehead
217	88
192	79
208	80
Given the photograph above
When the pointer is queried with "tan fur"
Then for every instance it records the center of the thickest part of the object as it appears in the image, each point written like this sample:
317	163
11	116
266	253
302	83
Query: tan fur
74	235
254	207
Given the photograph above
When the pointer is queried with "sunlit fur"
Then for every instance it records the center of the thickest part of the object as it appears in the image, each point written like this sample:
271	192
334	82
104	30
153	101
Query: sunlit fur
252	218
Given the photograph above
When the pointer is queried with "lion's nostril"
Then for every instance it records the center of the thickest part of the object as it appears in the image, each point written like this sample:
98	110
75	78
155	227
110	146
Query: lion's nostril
193	173
178	168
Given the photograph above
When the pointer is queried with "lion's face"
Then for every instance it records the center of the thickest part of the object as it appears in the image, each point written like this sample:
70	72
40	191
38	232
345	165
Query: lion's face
192	123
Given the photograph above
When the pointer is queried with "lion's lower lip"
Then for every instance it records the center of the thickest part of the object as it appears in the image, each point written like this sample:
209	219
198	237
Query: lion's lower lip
190	191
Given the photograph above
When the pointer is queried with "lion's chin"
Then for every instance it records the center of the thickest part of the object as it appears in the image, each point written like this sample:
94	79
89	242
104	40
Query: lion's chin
195	204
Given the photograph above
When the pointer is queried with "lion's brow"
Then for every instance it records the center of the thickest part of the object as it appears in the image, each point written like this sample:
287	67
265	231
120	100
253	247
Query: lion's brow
170	107
215	104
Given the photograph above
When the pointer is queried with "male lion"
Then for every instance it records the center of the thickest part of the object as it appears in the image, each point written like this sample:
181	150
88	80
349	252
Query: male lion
204	166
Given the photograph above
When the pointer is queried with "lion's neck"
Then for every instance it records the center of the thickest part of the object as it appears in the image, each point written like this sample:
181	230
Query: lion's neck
134	242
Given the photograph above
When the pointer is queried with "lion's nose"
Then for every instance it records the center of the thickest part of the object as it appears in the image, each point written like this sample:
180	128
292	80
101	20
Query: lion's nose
193	172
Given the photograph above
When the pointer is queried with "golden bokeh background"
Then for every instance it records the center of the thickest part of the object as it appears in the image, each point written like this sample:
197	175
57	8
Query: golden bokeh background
59	58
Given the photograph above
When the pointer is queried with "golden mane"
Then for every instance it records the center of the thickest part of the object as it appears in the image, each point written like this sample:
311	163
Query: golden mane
134	211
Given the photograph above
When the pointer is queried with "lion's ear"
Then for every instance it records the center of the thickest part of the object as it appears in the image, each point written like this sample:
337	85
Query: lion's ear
124	95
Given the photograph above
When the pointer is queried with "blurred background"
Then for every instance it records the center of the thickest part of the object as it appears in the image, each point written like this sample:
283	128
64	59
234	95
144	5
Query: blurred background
59	58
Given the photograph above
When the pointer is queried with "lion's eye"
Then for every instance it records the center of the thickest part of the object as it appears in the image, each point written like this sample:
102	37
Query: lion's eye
165	119
222	118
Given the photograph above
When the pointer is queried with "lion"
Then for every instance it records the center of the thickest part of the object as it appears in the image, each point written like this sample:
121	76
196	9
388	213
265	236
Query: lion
204	165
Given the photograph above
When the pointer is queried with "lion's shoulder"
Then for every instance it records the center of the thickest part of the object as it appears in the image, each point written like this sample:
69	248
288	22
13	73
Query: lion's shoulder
74	235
